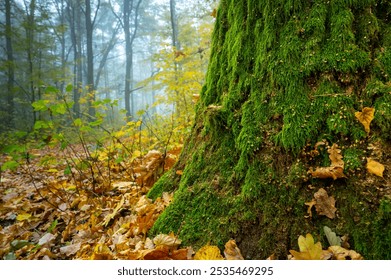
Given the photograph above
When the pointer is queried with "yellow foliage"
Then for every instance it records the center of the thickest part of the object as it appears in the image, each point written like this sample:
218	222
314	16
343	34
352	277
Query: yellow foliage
208	252
365	117
375	167
308	249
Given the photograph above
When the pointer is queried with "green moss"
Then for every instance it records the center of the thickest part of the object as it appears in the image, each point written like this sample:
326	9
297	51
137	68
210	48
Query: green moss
282	76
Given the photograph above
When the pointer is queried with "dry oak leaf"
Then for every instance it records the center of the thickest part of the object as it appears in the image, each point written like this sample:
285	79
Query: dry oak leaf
208	252
335	172
308	249
375	167
232	252
339	253
365	117
325	204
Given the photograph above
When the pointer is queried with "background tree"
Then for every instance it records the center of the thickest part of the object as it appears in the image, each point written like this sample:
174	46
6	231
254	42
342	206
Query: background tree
285	82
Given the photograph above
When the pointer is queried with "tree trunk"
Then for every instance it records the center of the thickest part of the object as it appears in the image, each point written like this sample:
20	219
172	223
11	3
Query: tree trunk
285	80
10	67
129	39
90	59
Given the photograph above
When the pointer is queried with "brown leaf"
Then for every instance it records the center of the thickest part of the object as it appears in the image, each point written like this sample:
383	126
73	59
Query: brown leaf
310	204
375	167
166	240
232	252
335	156
325	204
365	117
339	253
335	172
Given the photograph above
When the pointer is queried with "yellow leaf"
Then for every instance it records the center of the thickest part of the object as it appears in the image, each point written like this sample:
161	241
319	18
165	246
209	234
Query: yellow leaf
166	240
375	167
308	249
208	252
339	253
101	252
22	217
335	156
334	172
365	117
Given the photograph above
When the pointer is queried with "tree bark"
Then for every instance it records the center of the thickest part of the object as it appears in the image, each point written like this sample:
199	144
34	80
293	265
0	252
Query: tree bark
10	66
129	39
90	59
284	82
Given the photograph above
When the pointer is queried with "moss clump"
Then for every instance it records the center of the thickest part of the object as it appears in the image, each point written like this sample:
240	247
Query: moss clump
284	75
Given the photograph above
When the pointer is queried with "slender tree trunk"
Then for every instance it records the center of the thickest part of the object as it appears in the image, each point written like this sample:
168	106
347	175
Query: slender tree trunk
90	59
129	7
10	66
284	84
30	36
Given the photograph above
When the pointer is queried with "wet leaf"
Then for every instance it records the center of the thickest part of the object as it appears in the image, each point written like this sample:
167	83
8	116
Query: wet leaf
208	252
365	117
325	205
375	167
308	249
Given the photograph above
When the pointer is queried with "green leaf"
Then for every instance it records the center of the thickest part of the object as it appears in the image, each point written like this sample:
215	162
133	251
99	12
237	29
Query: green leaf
78	122
332	237
18	244
10	256
59	109
9	165
96	123
51	89
67	170
40	105
41	124
69	88
52	226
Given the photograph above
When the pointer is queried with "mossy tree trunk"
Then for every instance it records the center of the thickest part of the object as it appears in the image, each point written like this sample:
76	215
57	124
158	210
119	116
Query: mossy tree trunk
284	75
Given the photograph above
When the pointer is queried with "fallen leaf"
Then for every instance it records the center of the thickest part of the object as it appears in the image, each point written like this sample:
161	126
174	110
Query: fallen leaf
101	252
365	117
166	240
47	238
208	252
340	253
335	156
375	167
325	205
332	237
334	172
308	249
232	252
70	250
108	218
310	204
22	217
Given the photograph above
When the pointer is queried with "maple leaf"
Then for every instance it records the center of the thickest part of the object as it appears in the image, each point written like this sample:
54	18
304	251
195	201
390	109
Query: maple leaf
232	252
325	204
375	167
365	117
208	252
308	249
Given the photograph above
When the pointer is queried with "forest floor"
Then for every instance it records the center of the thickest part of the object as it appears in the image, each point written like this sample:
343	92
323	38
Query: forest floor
98	209
50	212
